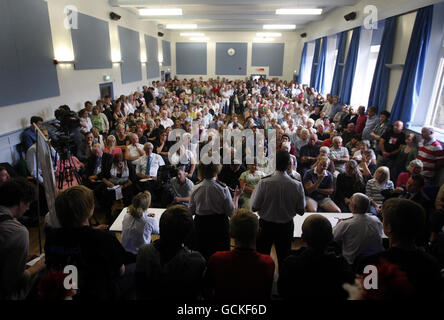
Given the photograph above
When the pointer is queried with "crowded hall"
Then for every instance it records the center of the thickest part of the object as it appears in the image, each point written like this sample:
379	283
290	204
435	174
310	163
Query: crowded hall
308	167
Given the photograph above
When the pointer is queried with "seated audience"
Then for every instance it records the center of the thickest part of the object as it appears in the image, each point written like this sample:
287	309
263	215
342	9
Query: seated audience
84	149
380	182
324	152
347	184
338	154
181	187
166	269
318	184
415	167
138	225
134	149
242	273
119	180
308	154
360	235
313	272
111	146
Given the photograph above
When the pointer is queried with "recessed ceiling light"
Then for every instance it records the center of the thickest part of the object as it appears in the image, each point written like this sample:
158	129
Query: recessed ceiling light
161	12
268	34
299	11
199	39
192	34
279	26
181	26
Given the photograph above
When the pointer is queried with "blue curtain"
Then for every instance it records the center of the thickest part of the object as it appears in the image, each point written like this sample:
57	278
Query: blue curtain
410	85
350	67
337	75
320	74
302	65
315	65
379	88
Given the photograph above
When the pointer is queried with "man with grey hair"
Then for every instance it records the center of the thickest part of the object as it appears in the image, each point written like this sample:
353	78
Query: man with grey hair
360	235
134	149
339	154
148	165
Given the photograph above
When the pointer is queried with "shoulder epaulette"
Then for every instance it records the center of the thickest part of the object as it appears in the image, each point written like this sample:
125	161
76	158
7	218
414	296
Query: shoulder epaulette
221	183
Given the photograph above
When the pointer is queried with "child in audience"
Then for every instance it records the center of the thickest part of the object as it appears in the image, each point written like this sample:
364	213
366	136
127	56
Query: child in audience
138	224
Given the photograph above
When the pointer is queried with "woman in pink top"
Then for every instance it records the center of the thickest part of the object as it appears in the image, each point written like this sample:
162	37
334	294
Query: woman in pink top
111	146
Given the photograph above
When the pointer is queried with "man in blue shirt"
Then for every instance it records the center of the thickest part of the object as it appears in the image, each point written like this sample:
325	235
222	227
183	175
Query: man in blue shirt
29	137
318	183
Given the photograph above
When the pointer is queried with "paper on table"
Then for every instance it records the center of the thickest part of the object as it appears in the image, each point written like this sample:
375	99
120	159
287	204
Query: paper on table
34	261
333	221
119	193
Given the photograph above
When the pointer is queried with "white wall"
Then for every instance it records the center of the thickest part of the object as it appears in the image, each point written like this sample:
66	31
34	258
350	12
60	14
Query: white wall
289	38
77	86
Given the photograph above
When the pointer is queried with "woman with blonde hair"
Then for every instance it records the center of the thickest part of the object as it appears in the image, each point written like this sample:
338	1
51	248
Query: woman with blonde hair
381	181
111	146
138	224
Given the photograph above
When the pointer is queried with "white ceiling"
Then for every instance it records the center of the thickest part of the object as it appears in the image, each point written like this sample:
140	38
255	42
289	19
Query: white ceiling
232	15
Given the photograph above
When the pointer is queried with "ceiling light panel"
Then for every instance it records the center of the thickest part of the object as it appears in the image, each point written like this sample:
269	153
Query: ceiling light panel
299	11
161	12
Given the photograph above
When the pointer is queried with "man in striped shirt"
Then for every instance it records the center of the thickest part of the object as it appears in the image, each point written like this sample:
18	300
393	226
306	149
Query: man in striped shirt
430	152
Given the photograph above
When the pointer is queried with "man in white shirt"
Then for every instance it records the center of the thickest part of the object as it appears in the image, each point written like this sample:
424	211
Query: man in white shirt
135	149
164	120
360	235
148	165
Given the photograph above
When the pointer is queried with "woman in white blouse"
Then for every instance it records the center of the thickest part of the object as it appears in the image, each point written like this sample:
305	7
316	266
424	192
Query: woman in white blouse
138	225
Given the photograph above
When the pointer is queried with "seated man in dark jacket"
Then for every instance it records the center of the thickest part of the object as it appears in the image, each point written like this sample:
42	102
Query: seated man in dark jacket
96	165
312	272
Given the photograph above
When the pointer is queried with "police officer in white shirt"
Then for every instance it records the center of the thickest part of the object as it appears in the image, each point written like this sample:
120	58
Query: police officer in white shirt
277	199
212	205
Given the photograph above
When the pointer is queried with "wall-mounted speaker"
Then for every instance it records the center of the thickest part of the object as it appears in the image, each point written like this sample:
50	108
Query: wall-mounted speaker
160	34
350	16
303	35
114	16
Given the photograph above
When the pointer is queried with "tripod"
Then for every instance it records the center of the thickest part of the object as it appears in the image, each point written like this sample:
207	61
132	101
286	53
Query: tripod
68	171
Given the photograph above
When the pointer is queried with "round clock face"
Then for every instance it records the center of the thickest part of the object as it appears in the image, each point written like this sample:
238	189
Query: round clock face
231	52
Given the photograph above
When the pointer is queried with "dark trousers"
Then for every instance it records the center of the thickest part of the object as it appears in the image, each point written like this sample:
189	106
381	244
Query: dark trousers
281	234
212	233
